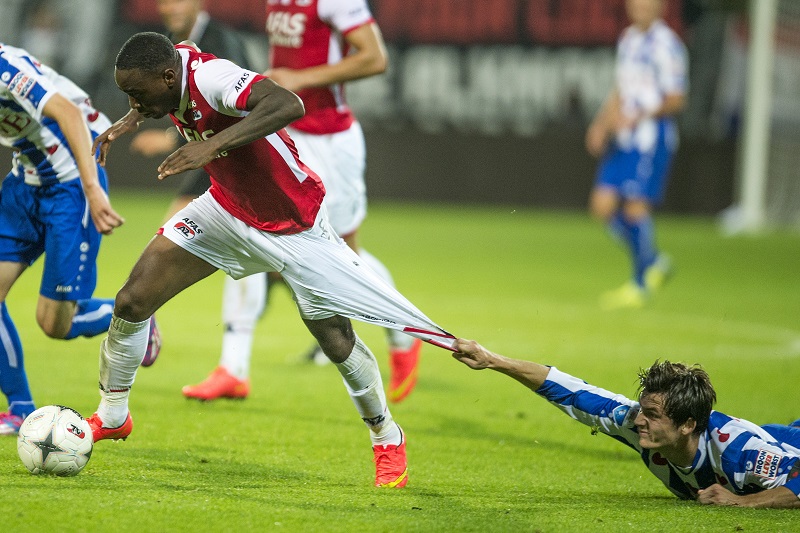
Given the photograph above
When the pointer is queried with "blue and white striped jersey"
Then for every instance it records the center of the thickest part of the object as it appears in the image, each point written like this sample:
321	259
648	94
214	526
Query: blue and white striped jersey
41	151
739	455
650	65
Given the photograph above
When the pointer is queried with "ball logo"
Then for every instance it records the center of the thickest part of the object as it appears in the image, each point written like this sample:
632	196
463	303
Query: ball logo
75	430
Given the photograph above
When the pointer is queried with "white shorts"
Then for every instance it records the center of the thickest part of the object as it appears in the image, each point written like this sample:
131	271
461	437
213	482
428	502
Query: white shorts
326	276
339	159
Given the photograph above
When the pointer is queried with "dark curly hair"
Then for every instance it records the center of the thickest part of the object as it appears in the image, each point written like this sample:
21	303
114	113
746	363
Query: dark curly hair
687	391
147	51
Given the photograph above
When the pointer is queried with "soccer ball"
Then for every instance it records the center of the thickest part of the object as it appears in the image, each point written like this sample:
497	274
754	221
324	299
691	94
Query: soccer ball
55	440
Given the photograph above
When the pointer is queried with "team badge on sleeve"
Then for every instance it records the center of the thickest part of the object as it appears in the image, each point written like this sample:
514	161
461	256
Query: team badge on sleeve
766	464
21	84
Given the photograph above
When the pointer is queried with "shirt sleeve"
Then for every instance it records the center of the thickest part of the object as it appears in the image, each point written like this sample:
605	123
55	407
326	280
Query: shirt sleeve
755	464
23	83
226	86
344	15
612	414
671	65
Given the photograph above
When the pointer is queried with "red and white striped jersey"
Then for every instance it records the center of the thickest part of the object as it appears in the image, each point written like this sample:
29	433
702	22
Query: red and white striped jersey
307	33
263	183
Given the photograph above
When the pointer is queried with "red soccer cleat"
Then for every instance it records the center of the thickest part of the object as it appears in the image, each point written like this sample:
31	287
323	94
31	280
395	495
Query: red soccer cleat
219	384
101	433
391	466
153	344
404	365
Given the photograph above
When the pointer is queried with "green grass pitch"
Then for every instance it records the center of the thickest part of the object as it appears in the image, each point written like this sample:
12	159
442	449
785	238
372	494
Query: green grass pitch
485	454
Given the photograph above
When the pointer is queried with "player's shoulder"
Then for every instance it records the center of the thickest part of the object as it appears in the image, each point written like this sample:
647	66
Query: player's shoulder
663	32
11	55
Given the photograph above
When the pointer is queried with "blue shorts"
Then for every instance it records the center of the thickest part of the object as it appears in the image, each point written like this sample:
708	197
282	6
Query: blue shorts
54	220
640	175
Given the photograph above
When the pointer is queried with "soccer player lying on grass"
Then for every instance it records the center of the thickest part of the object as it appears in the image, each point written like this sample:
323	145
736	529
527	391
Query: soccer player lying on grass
262	213
696	452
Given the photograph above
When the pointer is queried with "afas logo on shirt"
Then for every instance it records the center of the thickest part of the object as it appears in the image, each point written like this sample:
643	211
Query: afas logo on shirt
766	464
242	82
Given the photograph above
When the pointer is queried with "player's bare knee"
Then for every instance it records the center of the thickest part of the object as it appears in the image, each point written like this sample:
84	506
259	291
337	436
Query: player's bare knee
131	308
54	327
335	336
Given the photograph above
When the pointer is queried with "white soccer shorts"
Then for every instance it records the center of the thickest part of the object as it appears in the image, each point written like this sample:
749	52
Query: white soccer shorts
326	276
339	159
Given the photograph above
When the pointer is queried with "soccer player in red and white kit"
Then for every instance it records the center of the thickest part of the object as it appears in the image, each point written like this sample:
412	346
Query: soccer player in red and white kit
316	46
262	213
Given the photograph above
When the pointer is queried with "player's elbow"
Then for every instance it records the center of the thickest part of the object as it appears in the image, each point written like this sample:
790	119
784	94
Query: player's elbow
295	108
380	62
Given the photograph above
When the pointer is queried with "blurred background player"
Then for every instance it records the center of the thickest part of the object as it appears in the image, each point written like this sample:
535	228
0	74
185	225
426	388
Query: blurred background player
635	135
316	46
698	453
53	202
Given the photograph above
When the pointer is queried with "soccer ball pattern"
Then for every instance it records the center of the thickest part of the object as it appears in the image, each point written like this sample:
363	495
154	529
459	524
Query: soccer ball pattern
55	440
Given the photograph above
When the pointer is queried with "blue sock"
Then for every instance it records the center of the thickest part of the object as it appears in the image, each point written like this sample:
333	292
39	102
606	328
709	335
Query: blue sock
92	317
643	246
620	228
13	380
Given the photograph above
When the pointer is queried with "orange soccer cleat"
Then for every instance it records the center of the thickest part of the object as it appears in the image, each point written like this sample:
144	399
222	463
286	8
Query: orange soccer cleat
101	433
391	466
219	384
404	366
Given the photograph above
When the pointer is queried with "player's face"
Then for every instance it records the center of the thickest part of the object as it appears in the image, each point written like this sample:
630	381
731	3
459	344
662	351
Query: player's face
179	16
656	429
643	12
152	95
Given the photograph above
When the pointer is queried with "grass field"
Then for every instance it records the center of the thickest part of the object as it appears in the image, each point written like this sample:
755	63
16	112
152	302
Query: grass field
485	454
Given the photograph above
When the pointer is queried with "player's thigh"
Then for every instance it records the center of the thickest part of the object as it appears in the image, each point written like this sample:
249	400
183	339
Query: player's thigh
21	233
162	271
71	243
328	278
9	274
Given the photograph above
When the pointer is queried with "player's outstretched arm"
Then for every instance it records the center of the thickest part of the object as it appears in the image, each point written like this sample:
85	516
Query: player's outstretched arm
778	498
367	57
128	123
270	107
71	122
475	356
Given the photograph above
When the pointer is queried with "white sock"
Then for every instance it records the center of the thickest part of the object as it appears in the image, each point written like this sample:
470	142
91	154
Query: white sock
120	355
362	379
397	339
243	302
